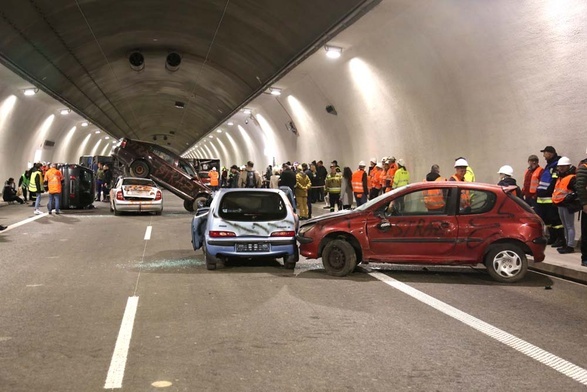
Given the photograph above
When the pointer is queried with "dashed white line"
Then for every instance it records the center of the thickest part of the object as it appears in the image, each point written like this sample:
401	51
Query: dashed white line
561	365
118	363
148	233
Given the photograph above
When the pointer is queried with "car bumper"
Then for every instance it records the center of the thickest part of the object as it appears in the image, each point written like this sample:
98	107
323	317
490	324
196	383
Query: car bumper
538	246
228	248
139	206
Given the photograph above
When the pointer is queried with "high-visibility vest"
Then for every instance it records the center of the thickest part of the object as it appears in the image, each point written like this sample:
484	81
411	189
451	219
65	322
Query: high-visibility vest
53	178
534	180
33	183
401	177
433	198
213	175
389	176
373	179
456	178
561	189
357	182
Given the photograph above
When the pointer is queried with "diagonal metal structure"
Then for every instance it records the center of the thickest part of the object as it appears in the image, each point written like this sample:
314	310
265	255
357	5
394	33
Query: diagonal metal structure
201	59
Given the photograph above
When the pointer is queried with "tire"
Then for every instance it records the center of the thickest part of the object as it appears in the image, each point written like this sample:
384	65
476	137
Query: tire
289	262
200	201
116	212
339	258
188	205
140	169
210	260
506	263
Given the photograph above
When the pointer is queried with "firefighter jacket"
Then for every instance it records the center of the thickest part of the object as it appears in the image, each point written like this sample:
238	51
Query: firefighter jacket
333	183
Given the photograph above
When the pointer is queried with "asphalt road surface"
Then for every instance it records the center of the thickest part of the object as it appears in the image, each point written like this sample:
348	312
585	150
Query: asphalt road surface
90	301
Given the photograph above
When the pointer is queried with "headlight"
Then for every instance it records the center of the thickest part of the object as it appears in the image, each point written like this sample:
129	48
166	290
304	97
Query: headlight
304	229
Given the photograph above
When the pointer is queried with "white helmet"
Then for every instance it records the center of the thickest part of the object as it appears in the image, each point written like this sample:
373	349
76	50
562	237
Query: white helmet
564	161
461	163
507	170
401	162
362	163
373	160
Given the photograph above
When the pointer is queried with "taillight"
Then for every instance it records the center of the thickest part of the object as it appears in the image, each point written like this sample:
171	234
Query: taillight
158	196
283	234
221	234
119	195
123	143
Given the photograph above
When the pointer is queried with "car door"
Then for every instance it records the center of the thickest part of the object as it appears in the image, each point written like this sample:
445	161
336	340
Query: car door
407	229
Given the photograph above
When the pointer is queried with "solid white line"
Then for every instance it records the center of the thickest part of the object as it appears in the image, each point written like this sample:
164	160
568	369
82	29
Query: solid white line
565	367
118	363
148	233
23	222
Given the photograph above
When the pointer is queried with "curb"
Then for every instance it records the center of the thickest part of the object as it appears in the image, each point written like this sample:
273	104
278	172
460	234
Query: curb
559	271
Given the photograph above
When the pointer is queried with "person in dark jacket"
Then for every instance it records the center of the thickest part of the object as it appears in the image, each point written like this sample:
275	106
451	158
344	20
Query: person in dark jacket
9	192
505	178
581	185
321	174
544	206
233	177
107	183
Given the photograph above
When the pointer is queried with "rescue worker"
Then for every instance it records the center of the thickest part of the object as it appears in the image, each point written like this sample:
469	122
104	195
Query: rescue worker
374	179
54	180
434	199
23	183
461	165
469	174
359	184
581	184
563	193
505	178
333	187
36	186
401	176
303	185
544	205
214	179
390	173
233	178
531	180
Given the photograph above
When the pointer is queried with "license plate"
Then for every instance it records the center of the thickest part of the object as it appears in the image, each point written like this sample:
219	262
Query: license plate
253	247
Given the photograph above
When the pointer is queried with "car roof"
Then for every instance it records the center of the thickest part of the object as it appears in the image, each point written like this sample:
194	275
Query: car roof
454	184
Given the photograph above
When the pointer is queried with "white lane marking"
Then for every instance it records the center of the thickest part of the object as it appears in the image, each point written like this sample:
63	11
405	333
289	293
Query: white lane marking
148	233
23	222
118	363
565	367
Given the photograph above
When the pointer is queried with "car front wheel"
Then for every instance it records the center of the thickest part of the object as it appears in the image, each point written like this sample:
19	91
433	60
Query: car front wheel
506	263
339	258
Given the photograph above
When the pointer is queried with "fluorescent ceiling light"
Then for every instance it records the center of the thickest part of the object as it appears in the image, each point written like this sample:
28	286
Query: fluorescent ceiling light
85	124
65	112
30	91
275	91
107	137
230	123
333	52
211	137
247	111
98	131
219	130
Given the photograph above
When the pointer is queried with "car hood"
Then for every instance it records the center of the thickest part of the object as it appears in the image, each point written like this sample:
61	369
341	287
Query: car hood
330	215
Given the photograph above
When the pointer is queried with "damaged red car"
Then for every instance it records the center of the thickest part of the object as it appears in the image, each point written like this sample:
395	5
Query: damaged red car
432	223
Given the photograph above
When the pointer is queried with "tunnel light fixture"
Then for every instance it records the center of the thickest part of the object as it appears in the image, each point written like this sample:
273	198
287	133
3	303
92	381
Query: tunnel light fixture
211	137
84	124
107	137
230	123
274	91
219	130
247	111
98	131
333	52
65	112
30	91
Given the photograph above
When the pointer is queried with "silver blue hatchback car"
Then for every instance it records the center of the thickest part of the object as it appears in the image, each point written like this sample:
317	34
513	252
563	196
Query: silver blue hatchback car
247	223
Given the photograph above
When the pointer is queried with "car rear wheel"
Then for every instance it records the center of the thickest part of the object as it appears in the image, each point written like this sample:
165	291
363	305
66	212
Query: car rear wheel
289	262
116	212
339	258
506	263
139	169
210	260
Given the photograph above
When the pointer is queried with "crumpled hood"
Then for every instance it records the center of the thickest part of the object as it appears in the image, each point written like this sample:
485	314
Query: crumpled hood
325	216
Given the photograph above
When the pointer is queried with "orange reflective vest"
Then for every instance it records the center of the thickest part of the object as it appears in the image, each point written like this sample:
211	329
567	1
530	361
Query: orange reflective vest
54	178
433	198
535	180
357	182
389	176
373	178
213	175
561	189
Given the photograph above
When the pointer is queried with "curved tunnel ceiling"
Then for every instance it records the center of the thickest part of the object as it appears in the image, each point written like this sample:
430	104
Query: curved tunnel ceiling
231	50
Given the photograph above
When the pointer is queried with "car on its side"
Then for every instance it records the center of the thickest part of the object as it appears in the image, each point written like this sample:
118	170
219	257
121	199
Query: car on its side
133	194
167	169
247	223
433	223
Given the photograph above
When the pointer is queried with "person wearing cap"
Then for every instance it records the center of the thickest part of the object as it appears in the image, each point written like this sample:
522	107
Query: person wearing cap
303	185
402	175
562	196
233	177
333	186
531	180
373	179
581	184
544	205
213	176
390	173
505	178
359	184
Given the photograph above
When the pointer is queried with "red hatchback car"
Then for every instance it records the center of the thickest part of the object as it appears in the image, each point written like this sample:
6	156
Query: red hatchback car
436	223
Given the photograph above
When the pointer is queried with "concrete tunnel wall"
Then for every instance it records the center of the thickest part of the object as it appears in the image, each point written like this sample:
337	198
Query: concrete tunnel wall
426	81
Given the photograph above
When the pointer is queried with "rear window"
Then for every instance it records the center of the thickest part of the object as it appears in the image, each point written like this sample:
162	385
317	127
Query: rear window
137	181
252	206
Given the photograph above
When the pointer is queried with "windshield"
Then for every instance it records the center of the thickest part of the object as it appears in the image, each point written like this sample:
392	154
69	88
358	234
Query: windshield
379	198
